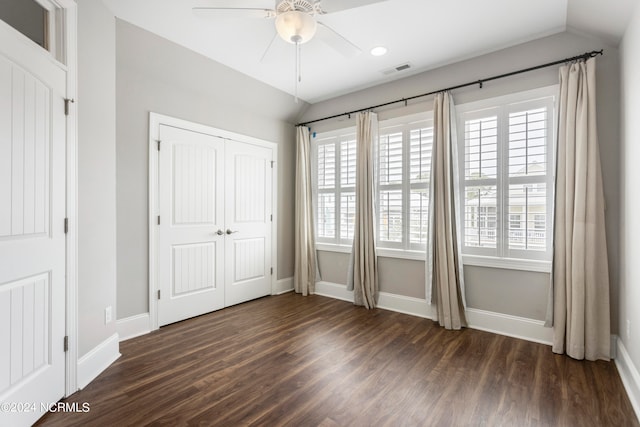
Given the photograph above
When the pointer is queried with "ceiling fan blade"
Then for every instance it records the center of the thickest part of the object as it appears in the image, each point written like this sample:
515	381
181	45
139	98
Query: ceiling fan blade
267	52
337	41
330	6
212	12
235	4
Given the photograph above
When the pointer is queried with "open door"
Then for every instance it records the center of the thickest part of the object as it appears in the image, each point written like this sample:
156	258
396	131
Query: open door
32	239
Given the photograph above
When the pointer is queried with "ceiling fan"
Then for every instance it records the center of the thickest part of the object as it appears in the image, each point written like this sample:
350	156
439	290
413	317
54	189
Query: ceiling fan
296	22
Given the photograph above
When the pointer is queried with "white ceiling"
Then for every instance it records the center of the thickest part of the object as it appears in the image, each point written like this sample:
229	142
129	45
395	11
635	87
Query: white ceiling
423	33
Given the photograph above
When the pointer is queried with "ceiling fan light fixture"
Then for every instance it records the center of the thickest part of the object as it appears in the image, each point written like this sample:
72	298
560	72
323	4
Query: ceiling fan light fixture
296	27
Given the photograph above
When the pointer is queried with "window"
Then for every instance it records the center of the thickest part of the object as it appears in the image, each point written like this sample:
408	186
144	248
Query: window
404	169
403	166
506	153
335	182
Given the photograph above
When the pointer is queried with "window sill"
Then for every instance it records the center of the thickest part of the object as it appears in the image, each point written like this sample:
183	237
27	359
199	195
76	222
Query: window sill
328	247
381	252
507	263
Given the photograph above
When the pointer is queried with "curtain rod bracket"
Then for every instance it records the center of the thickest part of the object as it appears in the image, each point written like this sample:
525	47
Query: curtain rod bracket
480	83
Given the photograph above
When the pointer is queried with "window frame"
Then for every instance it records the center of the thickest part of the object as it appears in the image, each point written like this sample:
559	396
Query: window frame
404	250
404	124
335	138
502	256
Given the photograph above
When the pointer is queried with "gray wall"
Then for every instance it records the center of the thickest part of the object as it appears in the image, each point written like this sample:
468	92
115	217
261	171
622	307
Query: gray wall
96	106
630	197
156	75
488	288
521	293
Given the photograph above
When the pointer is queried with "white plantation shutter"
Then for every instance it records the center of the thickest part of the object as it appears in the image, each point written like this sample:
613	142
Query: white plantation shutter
420	145
507	177
529	179
326	166
390	204
347	189
348	163
404	170
403	161
335	161
480	169
326	184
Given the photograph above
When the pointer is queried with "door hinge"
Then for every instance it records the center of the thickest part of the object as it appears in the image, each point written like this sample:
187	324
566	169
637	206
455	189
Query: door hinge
158	141
272	162
271	217
66	105
66	225
158	219
158	293
66	343
272	271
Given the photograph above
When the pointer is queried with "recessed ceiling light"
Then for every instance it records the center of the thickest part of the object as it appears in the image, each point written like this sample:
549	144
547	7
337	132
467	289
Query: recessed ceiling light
378	51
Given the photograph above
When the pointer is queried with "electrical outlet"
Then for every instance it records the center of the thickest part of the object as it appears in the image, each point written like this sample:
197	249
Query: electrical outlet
628	329
107	315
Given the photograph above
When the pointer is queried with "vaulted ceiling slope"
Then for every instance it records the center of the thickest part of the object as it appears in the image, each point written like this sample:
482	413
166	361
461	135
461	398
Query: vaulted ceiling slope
423	34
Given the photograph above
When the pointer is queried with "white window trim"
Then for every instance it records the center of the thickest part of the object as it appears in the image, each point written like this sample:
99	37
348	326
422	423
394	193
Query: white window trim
490	258
380	252
507	263
337	241
404	249
411	252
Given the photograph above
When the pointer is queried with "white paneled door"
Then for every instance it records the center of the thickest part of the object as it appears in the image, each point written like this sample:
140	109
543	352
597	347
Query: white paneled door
248	225
32	242
191	237
214	237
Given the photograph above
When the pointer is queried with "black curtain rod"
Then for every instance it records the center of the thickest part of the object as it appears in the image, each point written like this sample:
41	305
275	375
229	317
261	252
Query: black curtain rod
480	82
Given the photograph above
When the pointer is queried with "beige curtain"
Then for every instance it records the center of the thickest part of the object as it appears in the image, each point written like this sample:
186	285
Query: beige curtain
304	271
446	281
580	269
363	267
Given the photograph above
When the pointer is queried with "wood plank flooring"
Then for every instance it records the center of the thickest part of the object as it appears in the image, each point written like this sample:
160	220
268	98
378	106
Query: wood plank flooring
316	361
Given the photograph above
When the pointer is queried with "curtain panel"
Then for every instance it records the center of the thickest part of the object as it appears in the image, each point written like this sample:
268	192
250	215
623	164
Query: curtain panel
304	271
445	283
363	266
580	268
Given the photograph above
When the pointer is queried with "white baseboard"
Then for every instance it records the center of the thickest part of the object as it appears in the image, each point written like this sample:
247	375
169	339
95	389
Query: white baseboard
511	326
97	360
629	375
407	305
283	286
498	323
333	290
386	301
134	326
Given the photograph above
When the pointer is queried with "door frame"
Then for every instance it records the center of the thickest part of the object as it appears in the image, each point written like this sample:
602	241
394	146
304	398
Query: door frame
155	120
63	50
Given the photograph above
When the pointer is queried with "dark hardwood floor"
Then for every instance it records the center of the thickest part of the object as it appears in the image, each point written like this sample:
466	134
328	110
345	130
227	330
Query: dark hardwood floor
315	361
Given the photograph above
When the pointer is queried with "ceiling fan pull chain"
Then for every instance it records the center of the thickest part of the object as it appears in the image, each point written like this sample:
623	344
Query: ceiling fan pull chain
299	62
297	74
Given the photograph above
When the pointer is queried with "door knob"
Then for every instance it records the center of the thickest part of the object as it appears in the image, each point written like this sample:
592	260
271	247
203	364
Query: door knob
231	232
219	232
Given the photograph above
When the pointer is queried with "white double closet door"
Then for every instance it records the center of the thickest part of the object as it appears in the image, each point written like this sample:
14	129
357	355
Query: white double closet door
214	237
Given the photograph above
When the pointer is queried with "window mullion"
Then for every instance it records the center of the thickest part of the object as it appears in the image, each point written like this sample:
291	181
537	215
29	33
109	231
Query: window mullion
406	152
502	190
338	190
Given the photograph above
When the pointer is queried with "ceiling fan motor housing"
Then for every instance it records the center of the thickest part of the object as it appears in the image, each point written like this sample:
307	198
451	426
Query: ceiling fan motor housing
299	5
295	26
